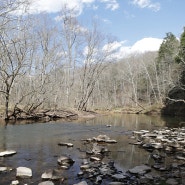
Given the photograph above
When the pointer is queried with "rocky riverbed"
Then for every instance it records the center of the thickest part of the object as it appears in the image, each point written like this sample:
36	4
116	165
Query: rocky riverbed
166	163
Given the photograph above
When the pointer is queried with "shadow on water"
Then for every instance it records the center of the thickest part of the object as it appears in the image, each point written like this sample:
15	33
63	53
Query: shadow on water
173	121
37	143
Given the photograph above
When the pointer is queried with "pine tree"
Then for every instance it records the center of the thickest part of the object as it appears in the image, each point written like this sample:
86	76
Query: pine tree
167	51
180	58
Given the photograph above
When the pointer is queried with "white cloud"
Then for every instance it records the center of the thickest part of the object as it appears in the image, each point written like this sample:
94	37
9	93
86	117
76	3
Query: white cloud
52	6
141	46
113	46
147	44
147	4
87	1
111	4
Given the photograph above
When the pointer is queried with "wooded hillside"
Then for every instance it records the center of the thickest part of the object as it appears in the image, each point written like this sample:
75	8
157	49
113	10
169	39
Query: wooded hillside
54	64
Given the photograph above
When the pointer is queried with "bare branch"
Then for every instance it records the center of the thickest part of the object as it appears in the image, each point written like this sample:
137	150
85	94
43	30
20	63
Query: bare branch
175	100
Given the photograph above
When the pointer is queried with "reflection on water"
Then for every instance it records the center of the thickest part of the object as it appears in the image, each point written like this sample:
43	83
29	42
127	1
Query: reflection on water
36	143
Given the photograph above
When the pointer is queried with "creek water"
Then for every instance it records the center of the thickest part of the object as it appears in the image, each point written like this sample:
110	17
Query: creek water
37	143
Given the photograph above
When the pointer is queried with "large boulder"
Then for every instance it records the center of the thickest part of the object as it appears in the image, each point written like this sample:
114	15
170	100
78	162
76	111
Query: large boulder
175	102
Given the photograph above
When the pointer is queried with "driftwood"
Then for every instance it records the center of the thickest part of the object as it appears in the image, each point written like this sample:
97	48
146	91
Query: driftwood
45	115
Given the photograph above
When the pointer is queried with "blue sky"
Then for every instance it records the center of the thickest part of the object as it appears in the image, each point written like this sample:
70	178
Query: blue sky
133	23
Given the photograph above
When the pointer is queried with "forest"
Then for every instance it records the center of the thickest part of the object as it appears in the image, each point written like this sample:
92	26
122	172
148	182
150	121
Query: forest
55	63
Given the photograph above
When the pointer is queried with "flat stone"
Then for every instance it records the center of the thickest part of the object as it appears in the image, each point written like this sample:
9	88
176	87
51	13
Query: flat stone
116	183
3	169
180	158
95	159
157	145
7	153
65	167
137	143
64	159
171	181
158	166
65	144
80	173
144	131
47	174
56	175
138	132
159	137
119	177
174	165
150	135
104	170
101	138
81	183
148	176
96	148
24	172
104	138
98	179
84	167
111	141
140	169
46	183
15	182
85	161
147	146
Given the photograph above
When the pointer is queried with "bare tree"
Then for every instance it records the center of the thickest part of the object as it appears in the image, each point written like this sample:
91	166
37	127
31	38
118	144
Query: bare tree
13	54
70	35
95	60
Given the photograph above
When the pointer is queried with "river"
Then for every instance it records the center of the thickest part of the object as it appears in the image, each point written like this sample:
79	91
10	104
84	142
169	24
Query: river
37	143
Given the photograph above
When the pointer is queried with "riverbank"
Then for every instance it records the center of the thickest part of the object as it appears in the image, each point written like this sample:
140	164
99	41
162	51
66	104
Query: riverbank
148	110
70	114
49	115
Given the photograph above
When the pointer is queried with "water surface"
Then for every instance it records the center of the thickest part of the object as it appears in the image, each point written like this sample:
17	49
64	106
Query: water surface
37	143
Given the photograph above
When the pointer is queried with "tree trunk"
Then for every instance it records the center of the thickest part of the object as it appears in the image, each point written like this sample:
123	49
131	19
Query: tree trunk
7	106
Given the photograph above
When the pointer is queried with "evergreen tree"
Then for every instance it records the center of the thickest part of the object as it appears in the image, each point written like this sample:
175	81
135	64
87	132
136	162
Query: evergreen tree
167	50
166	65
180	58
181	55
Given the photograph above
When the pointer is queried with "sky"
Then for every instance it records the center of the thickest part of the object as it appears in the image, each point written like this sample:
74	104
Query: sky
136	25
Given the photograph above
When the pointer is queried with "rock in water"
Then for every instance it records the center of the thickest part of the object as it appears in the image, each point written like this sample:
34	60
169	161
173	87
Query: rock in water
65	159
47	174
3	169
104	138
65	144
15	182
46	183
140	169
7	153
65	162
81	183
171	182
24	172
